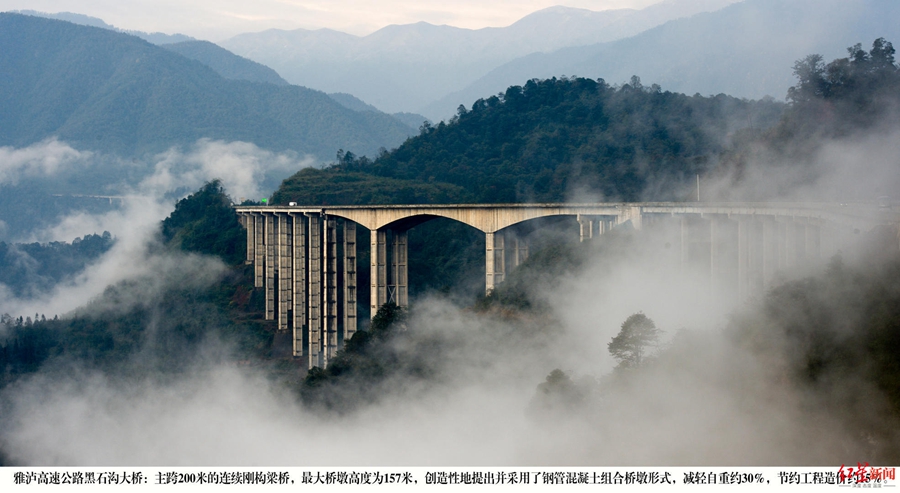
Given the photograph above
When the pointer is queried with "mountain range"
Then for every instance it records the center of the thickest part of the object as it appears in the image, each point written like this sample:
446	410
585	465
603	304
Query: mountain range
86	20
108	91
744	49
407	67
741	48
226	63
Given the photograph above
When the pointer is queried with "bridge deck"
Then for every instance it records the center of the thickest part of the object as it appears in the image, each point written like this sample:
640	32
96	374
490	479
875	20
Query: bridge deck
490	218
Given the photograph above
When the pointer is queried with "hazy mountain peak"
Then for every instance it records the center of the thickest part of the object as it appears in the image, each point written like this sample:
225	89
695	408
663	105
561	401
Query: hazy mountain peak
81	19
560	26
407	67
226	63
562	10
416	28
86	20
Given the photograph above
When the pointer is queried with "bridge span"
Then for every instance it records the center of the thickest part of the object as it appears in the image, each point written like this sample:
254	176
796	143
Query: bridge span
305	256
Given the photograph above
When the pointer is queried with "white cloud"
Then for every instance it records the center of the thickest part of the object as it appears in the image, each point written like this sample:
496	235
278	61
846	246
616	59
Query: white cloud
45	158
240	166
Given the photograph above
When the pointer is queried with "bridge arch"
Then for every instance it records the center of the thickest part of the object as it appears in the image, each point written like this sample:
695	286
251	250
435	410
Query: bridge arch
487	218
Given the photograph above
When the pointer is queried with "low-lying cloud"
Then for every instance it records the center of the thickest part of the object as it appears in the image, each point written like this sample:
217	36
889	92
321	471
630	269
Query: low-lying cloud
43	159
240	166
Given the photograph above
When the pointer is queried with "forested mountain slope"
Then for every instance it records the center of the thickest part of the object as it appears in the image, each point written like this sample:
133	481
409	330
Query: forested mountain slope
562	139
27	269
107	91
226	63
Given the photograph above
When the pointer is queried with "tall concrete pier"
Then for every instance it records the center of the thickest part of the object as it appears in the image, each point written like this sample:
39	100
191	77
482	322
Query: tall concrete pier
305	258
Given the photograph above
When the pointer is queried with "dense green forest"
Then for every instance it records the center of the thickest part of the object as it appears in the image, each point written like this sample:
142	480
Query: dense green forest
845	95
314	186
551	140
30	268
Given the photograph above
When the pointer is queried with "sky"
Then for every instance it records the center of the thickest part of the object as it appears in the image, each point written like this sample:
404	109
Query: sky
216	20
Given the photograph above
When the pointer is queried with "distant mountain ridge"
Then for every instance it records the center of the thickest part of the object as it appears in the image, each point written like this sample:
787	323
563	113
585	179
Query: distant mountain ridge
86	20
745	50
102	90
413	120
408	67
226	63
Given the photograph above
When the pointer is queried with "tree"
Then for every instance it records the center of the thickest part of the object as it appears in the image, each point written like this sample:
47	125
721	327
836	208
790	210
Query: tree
204	222
857	75
630	345
882	55
557	394
389	316
845	95
811	82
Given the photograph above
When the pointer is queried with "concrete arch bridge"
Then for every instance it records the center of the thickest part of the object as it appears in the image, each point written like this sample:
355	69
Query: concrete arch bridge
305	257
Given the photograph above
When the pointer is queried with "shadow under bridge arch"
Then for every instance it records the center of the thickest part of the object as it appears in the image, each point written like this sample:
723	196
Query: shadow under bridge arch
424	253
